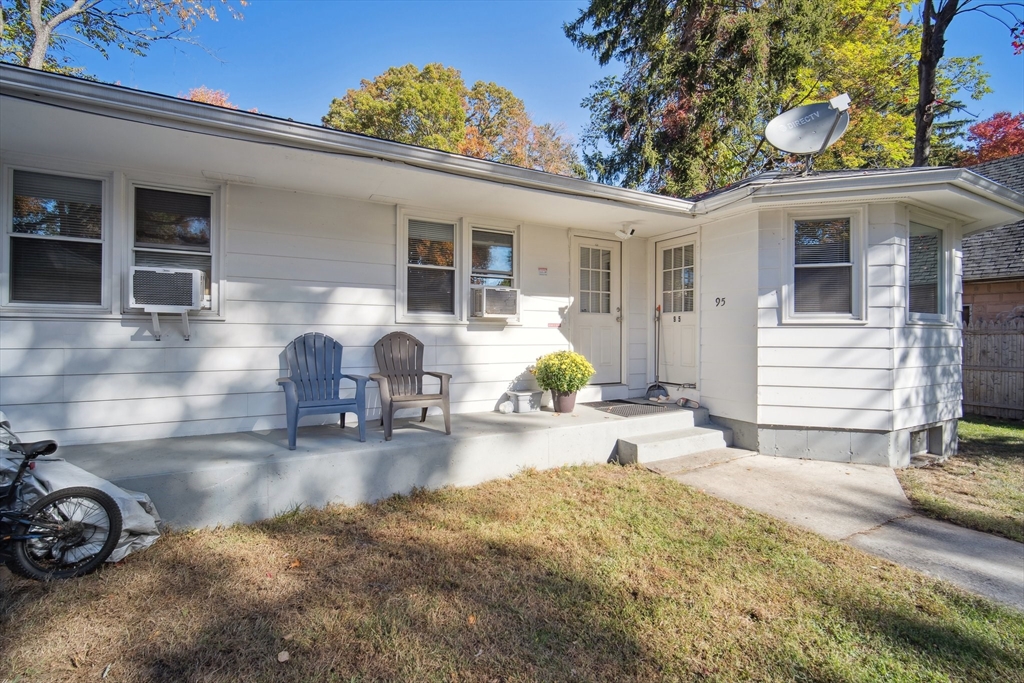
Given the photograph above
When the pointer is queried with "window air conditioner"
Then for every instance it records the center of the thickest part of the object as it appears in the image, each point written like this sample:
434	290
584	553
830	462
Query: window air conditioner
167	290
494	302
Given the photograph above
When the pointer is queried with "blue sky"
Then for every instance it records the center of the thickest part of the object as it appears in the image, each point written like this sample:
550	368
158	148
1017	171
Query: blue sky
289	58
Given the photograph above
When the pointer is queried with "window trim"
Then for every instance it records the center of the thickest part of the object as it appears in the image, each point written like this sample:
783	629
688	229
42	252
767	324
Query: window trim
858	257
946	265
488	225
464	226
402	314
7	232
218	201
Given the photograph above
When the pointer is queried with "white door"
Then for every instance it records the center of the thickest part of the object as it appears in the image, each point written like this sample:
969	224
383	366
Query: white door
677	294
597	306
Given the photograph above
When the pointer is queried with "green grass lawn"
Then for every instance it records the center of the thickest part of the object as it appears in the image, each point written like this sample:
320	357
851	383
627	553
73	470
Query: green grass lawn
982	487
596	573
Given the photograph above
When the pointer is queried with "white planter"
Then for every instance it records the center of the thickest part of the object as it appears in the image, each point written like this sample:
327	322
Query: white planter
525	401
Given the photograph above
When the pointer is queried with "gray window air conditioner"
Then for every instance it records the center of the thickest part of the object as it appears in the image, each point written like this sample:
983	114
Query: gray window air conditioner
167	290
494	302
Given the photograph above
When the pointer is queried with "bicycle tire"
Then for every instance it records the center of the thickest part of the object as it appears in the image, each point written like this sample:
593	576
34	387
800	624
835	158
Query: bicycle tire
78	517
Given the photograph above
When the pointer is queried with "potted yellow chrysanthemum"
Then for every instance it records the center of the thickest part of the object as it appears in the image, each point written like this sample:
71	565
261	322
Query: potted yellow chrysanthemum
563	373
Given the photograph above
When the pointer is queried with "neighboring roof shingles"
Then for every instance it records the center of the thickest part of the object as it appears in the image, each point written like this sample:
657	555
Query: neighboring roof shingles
997	253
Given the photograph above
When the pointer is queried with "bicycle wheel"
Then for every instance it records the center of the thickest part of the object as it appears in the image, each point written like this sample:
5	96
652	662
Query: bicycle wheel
73	531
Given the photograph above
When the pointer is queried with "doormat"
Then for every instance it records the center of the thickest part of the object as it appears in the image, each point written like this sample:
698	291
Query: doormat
626	408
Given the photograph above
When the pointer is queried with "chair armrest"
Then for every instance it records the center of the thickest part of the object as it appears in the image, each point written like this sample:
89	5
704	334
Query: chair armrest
358	379
384	385
443	376
291	391
439	375
285	380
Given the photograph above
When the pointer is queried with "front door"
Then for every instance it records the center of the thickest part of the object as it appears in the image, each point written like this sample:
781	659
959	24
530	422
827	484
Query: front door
677	294
597	306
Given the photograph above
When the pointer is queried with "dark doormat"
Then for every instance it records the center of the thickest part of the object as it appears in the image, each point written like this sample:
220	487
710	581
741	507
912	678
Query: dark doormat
626	408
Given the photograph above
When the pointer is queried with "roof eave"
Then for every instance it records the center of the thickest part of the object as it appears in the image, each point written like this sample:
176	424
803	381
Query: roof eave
151	107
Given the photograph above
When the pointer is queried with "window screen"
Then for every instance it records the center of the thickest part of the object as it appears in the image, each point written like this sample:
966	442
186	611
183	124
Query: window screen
492	259
925	269
56	240
430	283
823	269
173	230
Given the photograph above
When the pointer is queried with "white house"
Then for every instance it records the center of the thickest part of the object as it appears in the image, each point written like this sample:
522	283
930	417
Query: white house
817	316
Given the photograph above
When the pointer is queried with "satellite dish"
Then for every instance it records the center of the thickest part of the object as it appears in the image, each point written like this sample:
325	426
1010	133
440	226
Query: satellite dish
810	129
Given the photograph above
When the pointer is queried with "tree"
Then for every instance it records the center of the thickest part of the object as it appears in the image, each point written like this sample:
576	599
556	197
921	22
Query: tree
217	98
433	108
997	137
862	47
35	33
936	16
700	77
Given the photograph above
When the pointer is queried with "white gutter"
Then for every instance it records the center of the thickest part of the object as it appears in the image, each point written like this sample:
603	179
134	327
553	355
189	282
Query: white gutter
155	109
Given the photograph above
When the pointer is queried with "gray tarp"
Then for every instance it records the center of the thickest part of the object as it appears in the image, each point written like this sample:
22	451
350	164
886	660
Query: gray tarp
139	516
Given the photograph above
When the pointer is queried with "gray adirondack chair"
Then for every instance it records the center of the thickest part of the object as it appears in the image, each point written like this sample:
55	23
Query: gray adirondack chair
400	361
313	384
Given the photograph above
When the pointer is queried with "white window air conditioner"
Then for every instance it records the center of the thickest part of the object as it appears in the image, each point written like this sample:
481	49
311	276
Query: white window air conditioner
494	302
167	290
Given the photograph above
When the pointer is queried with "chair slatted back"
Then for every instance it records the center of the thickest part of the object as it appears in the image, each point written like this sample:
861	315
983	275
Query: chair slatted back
400	359
314	364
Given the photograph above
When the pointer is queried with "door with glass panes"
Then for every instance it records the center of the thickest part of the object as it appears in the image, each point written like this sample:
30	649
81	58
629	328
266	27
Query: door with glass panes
677	294
596	316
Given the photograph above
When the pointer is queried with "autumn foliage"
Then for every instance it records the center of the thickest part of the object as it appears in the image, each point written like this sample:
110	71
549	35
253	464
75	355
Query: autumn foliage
997	137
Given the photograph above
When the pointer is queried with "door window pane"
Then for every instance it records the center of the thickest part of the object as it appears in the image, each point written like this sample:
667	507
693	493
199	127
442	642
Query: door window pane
595	280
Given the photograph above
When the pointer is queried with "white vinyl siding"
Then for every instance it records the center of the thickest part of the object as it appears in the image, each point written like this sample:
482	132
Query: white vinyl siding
294	263
881	374
728	336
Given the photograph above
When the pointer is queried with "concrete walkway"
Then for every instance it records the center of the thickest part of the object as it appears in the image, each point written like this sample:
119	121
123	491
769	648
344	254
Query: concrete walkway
865	507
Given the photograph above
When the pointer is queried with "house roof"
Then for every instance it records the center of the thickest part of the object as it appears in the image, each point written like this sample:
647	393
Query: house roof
997	254
47	114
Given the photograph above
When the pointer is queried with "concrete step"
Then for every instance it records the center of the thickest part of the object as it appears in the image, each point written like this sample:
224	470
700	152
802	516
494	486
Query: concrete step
648	448
602	392
695	461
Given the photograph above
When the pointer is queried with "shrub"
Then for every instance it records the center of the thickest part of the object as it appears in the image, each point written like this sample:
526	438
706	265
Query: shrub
563	371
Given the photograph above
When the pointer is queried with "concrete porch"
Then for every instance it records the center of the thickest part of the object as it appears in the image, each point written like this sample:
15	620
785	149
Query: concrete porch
200	481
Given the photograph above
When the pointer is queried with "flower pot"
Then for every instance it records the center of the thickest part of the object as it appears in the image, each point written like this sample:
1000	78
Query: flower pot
563	403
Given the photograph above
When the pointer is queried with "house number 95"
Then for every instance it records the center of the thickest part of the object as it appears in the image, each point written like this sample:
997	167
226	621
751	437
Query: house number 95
720	301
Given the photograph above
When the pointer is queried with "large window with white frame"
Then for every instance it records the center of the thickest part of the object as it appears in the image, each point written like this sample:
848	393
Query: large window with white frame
443	258
174	229
55	240
825	265
926	276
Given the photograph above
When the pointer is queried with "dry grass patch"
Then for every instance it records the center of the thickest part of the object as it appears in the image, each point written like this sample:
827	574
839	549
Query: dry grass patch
599	573
982	487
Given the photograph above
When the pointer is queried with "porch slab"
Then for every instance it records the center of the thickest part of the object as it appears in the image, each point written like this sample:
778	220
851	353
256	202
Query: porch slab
221	479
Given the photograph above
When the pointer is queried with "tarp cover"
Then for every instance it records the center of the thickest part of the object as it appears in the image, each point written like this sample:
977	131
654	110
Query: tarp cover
140	520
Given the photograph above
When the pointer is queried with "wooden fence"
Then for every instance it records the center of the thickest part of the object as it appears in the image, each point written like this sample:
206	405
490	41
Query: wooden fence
994	368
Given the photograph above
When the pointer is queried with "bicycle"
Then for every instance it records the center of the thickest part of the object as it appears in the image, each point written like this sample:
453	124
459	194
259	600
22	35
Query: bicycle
65	534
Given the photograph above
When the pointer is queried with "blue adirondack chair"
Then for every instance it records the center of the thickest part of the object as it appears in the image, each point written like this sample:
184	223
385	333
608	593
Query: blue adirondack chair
314	383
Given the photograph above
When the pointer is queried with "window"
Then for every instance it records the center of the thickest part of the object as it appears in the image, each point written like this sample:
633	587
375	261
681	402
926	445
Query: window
823	266
677	279
56	240
492	259
173	230
430	279
442	260
924	272
595	280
